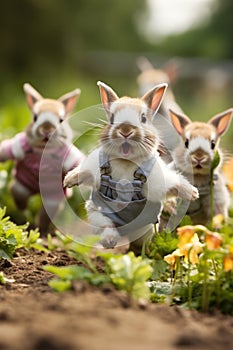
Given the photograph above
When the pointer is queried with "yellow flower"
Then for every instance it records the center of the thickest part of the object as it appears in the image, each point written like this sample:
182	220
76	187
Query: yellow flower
228	260
228	263
227	170
185	234
218	221
191	250
172	258
213	240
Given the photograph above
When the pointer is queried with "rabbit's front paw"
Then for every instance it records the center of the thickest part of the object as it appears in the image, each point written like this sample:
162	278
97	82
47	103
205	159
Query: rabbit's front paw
109	237
71	179
195	193
170	206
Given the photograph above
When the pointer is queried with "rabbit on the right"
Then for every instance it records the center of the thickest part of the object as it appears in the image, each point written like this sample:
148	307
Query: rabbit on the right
193	158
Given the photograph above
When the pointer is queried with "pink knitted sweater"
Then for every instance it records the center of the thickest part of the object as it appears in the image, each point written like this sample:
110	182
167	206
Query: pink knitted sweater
40	168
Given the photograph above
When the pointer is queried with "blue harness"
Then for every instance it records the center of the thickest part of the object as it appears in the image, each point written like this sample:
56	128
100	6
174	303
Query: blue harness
123	201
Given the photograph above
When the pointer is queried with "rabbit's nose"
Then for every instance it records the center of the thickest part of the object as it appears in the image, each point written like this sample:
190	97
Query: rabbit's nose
47	126
199	158
126	134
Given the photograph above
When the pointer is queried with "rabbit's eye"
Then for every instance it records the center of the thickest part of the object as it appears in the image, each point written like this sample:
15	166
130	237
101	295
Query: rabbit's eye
35	117
186	143
61	120
212	144
143	118
112	119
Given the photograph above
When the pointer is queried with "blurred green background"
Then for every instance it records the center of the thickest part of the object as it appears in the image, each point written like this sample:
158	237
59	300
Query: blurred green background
58	45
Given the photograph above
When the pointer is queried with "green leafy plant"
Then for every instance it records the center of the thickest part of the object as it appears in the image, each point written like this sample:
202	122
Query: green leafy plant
130	273
215	162
13	237
67	274
126	272
162	243
2	278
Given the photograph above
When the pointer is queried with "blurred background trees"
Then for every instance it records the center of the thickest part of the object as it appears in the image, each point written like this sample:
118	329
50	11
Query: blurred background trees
60	45
210	39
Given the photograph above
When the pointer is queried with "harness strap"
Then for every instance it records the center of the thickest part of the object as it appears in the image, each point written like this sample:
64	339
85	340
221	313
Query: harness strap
126	191
195	207
144	170
105	168
205	189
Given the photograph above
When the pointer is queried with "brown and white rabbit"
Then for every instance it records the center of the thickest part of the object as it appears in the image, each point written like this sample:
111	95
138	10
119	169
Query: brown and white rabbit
193	159
43	153
148	78
129	179
151	76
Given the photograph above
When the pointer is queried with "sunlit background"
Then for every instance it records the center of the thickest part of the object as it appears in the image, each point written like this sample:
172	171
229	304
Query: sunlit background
60	45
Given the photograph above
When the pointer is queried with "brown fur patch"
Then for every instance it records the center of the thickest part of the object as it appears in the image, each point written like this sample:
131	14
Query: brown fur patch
199	129
125	129
49	105
104	135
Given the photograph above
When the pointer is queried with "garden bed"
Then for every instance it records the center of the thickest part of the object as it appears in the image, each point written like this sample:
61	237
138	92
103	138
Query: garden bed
32	316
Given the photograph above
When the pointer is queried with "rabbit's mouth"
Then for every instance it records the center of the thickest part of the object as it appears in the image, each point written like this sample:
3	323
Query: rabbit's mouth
125	148
198	166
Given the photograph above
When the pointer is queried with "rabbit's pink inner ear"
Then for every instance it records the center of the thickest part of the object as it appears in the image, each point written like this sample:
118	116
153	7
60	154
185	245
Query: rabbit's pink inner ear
176	123
153	98
108	96
69	100
70	104
157	98
30	100
179	121
222	121
104	97
32	96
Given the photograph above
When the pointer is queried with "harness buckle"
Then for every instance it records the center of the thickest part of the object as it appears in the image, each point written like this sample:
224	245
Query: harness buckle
105	169
139	175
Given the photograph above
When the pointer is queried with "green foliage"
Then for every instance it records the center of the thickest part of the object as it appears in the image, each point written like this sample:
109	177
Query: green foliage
2	279
160	291
130	273
219	294
80	250
215	162
125	272
163	243
32	241
13	237
67	274
52	45
201	270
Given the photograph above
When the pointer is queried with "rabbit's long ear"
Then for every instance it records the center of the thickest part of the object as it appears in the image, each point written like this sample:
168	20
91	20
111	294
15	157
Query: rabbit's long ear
32	96
154	97
144	64
179	121
70	99
108	96
222	121
171	68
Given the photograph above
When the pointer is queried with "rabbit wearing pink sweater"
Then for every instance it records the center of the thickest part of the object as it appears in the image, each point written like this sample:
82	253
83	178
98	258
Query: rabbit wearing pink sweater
43	153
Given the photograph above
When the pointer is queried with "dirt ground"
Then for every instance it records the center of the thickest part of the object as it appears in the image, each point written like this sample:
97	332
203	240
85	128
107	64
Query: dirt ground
32	316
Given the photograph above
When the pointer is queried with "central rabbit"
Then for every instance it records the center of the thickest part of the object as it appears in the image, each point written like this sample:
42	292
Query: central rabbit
129	180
